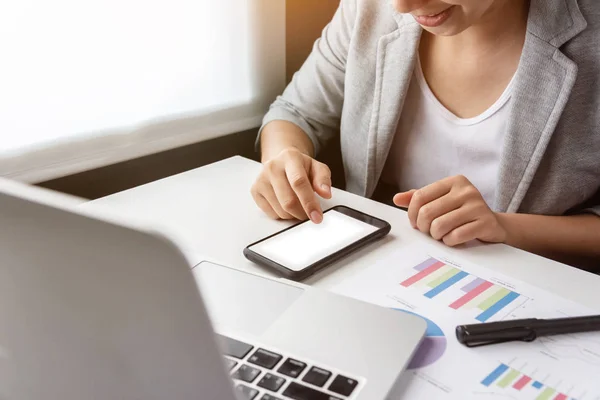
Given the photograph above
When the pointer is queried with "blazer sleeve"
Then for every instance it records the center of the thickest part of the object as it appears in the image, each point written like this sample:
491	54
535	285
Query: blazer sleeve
314	98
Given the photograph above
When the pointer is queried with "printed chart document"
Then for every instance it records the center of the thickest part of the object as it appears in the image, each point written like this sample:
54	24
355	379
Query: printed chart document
447	292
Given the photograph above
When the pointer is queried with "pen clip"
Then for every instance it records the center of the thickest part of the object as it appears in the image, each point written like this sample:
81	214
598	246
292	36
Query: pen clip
475	339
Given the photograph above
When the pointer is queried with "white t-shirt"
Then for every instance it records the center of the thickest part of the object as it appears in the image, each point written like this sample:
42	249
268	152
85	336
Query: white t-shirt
432	143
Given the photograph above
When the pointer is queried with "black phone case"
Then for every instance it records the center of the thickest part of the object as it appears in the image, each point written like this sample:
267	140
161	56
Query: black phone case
381	232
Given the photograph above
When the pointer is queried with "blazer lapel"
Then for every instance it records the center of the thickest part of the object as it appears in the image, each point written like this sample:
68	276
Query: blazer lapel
396	57
542	88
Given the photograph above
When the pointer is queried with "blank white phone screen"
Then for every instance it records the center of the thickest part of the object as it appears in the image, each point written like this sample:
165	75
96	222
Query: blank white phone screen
307	243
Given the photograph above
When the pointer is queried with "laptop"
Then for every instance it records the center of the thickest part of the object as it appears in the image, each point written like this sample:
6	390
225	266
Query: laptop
97	306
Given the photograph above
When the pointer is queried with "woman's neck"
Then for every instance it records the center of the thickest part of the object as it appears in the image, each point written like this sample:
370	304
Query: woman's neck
502	25
468	72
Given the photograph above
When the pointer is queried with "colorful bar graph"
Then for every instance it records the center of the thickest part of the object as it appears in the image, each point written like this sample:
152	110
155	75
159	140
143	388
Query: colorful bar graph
470	286
450	272
493	298
424	283
497	306
422	274
474	292
521	383
427	263
546	394
495	374
474	295
446	284
508	378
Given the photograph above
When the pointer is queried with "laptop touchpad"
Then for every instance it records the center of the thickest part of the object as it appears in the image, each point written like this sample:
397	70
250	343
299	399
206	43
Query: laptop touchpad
242	302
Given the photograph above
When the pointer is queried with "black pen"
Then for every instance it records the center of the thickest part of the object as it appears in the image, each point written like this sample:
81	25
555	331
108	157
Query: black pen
526	330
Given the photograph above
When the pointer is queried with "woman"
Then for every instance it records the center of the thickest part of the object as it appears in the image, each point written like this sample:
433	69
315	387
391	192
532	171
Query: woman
482	115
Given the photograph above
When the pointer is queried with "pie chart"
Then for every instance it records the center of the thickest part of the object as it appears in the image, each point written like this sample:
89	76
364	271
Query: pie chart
432	347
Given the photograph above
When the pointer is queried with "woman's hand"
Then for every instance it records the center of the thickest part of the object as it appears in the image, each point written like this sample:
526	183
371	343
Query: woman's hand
285	188
452	210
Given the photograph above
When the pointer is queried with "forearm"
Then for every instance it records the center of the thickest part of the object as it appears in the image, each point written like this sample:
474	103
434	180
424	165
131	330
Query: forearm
280	135
563	238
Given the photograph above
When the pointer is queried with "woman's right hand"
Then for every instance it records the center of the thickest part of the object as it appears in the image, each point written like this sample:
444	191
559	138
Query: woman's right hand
288	186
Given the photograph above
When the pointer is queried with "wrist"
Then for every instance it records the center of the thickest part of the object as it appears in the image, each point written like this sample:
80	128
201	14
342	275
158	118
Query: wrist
278	136
276	152
506	221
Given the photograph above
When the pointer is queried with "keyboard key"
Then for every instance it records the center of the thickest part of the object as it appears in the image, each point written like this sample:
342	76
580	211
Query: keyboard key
244	392
230	364
292	368
317	376
297	391
265	358
271	382
246	373
234	348
343	385
267	396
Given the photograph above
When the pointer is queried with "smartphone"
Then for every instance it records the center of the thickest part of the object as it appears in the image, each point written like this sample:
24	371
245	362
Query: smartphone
305	248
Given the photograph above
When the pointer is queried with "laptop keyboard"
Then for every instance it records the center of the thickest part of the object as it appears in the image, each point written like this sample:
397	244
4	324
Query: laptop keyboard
261	374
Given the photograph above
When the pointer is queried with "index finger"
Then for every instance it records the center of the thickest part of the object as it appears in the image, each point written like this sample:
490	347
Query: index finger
426	195
302	186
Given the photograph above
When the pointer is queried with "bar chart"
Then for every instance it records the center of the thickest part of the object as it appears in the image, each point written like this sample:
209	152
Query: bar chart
523	385
460	290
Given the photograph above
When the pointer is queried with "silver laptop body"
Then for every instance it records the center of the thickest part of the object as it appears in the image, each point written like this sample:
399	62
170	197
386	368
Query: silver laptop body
100	307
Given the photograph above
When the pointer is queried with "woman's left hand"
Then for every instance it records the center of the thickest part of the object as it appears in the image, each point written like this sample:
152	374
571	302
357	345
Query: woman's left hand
452	210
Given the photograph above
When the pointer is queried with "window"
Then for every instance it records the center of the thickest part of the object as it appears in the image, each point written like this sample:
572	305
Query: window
85	83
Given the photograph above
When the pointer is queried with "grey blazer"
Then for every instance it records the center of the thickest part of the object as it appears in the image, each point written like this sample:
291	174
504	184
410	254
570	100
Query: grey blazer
354	84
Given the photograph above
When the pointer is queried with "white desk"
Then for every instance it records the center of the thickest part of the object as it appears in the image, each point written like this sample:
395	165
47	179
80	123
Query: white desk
212	214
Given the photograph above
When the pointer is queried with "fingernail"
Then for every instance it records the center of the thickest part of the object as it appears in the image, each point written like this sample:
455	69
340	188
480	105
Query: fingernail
315	217
325	188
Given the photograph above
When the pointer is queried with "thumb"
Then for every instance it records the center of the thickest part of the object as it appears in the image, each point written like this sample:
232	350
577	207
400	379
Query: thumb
321	179
403	199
